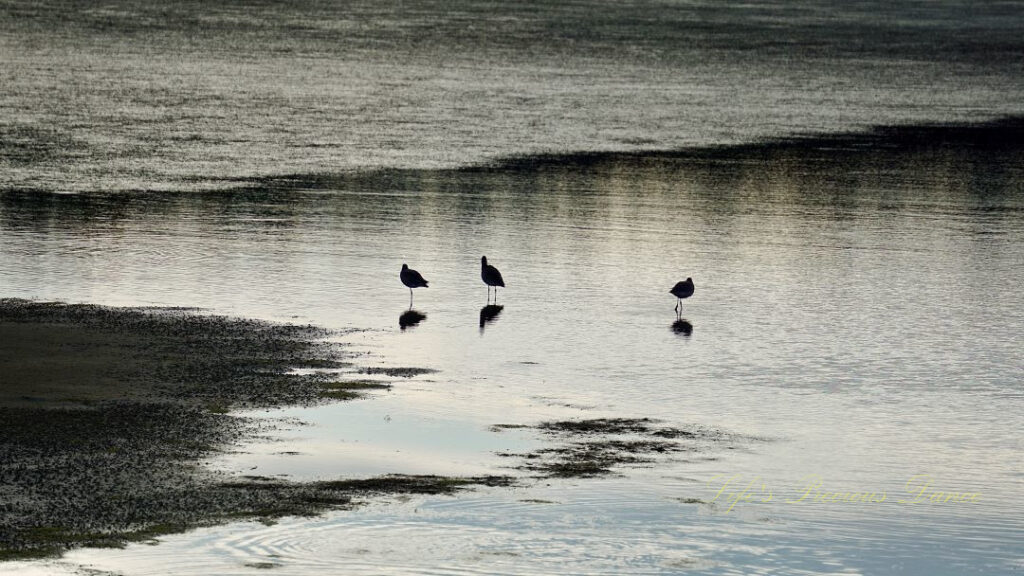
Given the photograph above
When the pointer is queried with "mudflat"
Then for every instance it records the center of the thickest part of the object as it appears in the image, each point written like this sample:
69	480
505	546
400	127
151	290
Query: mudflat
107	413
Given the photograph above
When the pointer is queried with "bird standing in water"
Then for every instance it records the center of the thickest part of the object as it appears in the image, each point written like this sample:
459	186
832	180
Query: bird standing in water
682	290
412	279
490	275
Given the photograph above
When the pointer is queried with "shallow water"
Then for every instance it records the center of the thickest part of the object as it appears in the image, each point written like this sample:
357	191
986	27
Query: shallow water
857	312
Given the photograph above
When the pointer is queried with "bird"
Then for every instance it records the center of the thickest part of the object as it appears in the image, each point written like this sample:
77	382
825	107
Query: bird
682	290
412	279
491	277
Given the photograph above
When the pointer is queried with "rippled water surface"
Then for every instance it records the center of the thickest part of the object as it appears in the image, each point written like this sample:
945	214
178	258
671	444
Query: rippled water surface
134	95
857	315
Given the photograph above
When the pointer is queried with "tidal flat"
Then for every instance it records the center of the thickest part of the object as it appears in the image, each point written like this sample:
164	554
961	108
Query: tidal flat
107	413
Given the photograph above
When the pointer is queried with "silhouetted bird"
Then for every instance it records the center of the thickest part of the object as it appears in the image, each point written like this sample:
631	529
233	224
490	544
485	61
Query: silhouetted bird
682	290
491	277
412	279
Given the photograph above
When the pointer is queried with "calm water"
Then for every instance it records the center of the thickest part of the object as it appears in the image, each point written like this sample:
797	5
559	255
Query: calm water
858	307
857	311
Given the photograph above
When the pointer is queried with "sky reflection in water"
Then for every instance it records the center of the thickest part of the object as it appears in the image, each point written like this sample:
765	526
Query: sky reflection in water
857	309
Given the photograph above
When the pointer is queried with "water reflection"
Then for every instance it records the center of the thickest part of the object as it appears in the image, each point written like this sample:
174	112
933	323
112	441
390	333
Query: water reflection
410	318
489	314
832	177
682	327
792	237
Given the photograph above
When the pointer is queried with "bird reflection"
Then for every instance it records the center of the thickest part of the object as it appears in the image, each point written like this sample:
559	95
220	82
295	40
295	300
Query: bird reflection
410	318
488	314
682	327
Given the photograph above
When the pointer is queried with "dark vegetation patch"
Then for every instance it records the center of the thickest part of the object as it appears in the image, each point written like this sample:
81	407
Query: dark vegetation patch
501	427
596	447
351	389
147	354
599	426
405	372
405	484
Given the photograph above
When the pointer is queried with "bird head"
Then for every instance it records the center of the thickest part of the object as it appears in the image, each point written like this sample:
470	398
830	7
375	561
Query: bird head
483	260
405	266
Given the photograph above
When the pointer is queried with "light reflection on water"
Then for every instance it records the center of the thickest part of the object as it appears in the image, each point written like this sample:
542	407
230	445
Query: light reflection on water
384	435
605	527
133	96
859	312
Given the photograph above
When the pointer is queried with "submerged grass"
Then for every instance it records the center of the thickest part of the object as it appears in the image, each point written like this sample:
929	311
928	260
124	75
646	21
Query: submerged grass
351	389
403	372
597	447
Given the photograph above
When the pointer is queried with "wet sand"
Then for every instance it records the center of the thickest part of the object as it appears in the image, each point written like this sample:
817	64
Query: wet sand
106	415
